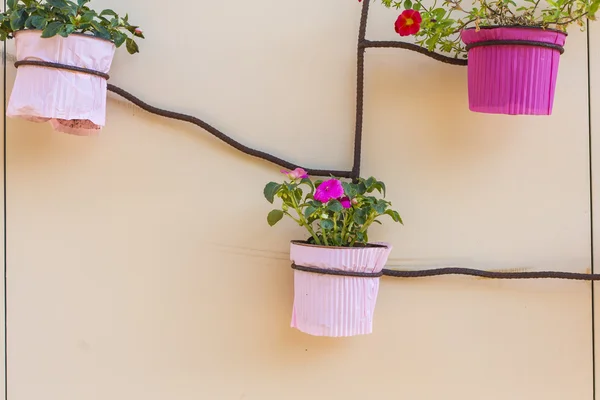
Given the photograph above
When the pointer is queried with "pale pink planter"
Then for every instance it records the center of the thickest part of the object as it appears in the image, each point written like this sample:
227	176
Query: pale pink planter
335	306
514	79
72	102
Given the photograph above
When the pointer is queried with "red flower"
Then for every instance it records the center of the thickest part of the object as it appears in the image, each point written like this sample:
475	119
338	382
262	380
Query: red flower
408	23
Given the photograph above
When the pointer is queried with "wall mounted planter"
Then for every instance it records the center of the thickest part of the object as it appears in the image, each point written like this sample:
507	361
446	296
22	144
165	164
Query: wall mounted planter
72	102
512	70
329	305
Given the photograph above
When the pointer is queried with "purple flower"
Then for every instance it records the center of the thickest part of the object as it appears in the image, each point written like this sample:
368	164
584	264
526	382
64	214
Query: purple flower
298	173
346	203
329	190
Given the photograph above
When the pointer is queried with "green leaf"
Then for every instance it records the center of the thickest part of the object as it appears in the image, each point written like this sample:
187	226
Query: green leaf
380	186
57	3
132	46
308	182
28	24
308	211
274	217
87	17
395	216
110	12
18	19
350	189
81	3
594	8
335	206
361	187
11	4
380	207
118	38
417	6
101	31
326	224
70	9
62	31
369	183
52	29
359	218
431	42
408	4
439	13
271	190
38	21
103	20
69	28
361	237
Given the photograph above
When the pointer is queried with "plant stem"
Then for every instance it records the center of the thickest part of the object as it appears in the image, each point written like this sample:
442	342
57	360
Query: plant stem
303	222
348	230
292	217
572	19
335	230
462	26
344	227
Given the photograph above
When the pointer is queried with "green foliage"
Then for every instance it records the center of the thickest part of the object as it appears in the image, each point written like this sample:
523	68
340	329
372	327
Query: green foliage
63	17
331	223
441	25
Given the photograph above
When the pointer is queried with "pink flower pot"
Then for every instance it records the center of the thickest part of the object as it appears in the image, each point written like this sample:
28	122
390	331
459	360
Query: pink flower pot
509	78
72	102
329	305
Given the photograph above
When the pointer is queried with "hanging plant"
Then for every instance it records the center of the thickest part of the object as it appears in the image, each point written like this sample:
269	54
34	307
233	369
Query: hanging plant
513	50
64	17
337	216
64	49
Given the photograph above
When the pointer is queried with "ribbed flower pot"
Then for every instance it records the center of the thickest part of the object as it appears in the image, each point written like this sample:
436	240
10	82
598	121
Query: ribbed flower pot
73	102
512	70
336	305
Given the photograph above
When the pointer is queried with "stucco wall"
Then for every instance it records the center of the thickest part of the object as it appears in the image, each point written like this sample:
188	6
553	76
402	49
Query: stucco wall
140	264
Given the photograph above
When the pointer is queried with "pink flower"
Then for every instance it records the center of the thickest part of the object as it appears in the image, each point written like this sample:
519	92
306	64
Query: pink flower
346	203
329	190
298	173
138	32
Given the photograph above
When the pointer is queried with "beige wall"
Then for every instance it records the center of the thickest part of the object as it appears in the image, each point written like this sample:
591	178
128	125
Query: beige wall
140	264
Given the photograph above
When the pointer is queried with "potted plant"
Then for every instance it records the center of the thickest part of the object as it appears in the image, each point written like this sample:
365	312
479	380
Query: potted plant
513	51
64	52
337	269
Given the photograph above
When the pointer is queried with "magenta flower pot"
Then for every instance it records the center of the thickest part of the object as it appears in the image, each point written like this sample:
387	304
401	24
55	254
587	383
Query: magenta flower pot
335	306
512	70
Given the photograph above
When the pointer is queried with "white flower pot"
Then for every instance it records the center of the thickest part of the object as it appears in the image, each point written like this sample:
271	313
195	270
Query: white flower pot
331	305
73	102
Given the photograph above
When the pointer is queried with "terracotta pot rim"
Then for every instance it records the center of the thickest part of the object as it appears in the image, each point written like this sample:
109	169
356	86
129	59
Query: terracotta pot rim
74	33
519	27
367	246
